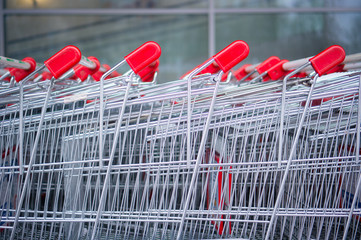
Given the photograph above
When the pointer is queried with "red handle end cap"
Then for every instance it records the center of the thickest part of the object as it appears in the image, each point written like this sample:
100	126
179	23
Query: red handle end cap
241	72
143	56
267	64
232	55
63	60
328	59
82	72
20	74
277	71
151	68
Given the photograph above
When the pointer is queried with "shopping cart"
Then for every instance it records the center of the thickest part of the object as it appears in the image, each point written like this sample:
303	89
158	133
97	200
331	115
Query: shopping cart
43	124
195	158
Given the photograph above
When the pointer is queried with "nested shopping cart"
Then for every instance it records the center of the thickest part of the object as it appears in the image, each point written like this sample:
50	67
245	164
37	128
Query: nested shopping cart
195	158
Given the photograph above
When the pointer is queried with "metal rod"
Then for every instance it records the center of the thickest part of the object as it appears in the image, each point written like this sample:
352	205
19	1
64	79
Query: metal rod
199	158
111	157
283	106
292	152
31	161
10	62
101	108
357	152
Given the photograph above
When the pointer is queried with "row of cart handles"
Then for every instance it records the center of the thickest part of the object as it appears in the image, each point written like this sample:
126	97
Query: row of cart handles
274	68
144	62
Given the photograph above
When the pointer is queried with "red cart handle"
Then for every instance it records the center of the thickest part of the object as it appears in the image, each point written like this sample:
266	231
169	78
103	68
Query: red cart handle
150	68
82	72
267	64
20	74
46	75
327	59
63	60
232	55
105	67
212	68
143	56
241	72
150	76
277	72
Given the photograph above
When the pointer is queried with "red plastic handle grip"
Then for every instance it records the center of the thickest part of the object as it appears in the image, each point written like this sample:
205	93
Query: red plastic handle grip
212	69
232	55
143	56
151	68
150	76
328	59
20	74
298	75
82	72
267	64
96	76
63	60
338	68
277	71
97	64
195	69
46	75
241	72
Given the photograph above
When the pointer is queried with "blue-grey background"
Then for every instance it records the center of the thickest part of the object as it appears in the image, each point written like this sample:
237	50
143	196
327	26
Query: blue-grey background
188	31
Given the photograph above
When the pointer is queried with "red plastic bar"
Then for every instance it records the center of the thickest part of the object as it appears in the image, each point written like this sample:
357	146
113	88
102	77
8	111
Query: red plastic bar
143	56
232	55
267	64
63	60
151	68
328	59
277	72
46	75
212	68
20	74
241	72
82	72
150	76
96	76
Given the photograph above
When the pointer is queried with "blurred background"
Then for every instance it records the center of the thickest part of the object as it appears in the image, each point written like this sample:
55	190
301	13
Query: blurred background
188	31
